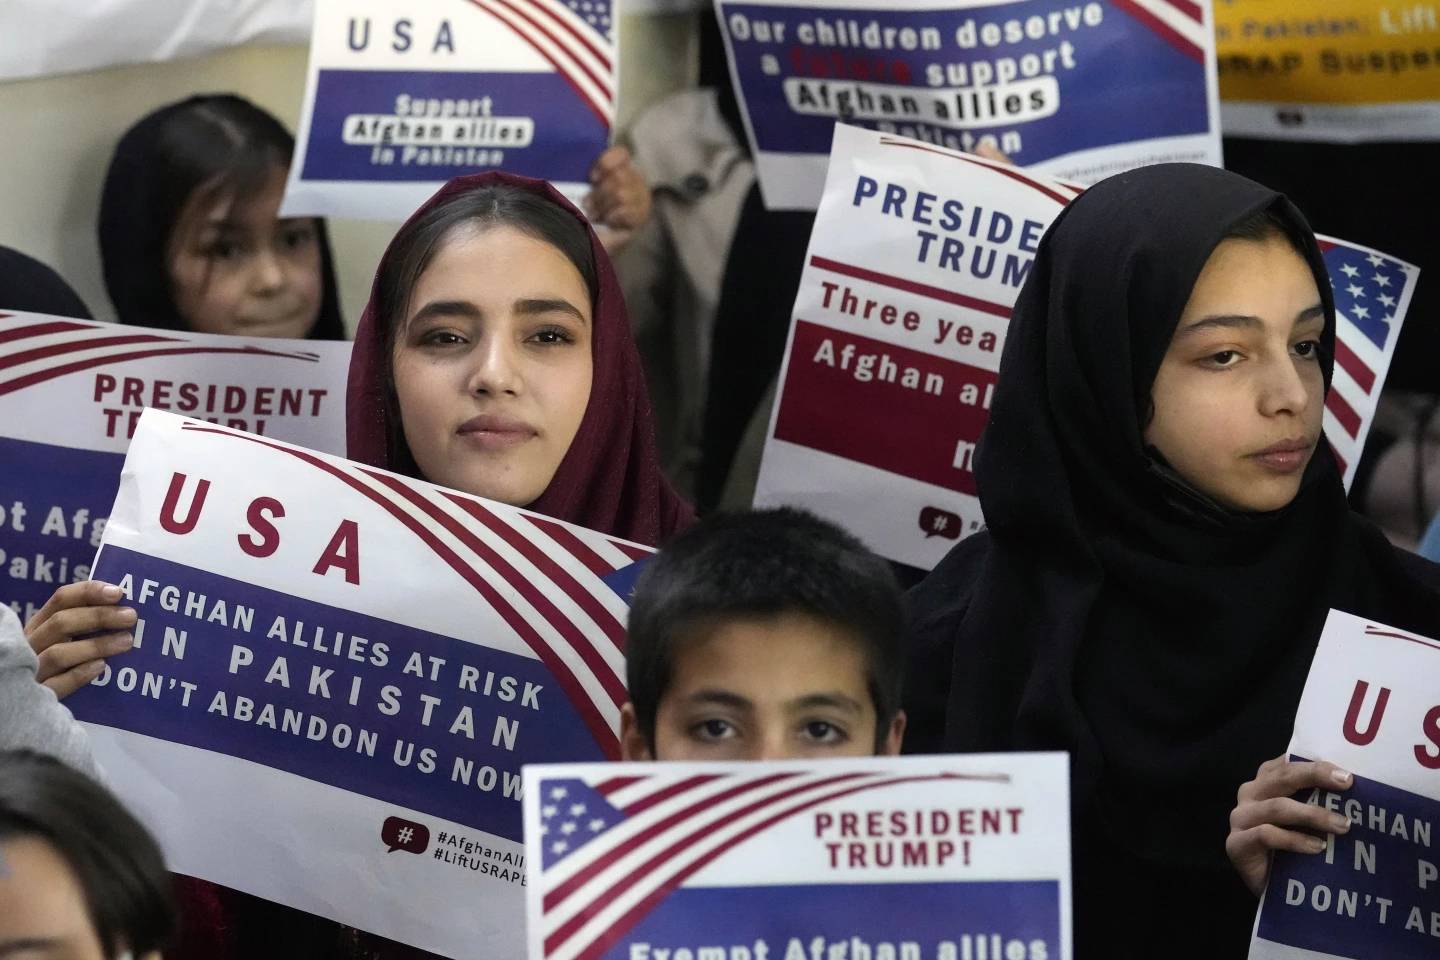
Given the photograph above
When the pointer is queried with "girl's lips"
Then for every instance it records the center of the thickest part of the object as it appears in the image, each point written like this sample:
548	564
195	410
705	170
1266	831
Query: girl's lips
1287	461
492	432
1286	457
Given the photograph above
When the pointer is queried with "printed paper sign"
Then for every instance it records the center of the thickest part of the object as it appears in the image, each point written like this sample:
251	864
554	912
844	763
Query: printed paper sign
1079	89
1343	71
916	259
1371	705
344	669
71	393
402	98
94	34
920	858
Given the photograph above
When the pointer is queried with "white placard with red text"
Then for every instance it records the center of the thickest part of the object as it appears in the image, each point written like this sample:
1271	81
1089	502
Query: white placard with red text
1372	706
338	673
915	262
940	858
71	393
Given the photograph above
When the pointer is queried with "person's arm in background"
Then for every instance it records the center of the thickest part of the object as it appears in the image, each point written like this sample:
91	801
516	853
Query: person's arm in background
31	717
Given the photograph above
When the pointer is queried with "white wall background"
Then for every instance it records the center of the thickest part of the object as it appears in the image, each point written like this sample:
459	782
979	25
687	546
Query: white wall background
57	132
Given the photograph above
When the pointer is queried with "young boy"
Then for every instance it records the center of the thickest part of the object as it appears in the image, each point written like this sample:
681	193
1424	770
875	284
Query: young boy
764	636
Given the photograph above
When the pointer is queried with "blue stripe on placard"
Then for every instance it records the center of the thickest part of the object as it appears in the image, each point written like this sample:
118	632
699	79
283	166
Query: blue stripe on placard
944	920
53	505
310	661
1369	895
567	135
1127	82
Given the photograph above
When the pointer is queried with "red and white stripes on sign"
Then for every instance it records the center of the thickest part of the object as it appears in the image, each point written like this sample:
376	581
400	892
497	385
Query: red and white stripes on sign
1354	380
34	351
602	556
1058	190
571	46
570	619
1180	22
673	830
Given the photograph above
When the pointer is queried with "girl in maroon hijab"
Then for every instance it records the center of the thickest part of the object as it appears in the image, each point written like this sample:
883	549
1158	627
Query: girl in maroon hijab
495	357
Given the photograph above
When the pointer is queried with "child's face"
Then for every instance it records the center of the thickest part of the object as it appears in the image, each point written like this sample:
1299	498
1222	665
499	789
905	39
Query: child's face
42	906
237	268
493	364
1240	394
773	688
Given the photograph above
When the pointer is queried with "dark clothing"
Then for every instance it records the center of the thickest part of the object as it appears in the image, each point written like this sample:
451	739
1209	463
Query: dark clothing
1113	611
752	324
757	294
30	286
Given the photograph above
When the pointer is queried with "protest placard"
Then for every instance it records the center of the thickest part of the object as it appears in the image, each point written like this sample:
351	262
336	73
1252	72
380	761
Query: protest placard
338	673
1343	71
1371	705
71	393
94	34
1078	89
916	858
401	98
915	261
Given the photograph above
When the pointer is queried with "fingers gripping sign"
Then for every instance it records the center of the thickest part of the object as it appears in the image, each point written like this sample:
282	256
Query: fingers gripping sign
77	628
619	199
1267	817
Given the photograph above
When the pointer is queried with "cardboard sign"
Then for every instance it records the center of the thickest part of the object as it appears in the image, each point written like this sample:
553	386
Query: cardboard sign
916	259
338	673
71	394
920	858
1343	71
401	99
1371	705
1078	90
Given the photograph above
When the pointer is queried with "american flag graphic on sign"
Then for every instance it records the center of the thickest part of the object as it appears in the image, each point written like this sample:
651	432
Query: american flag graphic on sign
610	848
577	37
1372	292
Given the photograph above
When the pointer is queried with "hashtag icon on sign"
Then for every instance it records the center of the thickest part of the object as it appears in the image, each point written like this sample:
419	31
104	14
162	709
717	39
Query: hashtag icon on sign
405	835
940	523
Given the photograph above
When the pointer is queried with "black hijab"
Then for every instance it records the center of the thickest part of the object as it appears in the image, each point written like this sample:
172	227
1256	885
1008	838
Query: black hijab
157	165
29	285
1110	610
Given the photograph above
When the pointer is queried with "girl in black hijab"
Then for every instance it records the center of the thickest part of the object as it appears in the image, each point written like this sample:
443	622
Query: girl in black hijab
190	237
1167	529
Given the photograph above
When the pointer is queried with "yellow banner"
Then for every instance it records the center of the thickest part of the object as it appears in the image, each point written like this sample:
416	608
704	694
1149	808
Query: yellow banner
1352	52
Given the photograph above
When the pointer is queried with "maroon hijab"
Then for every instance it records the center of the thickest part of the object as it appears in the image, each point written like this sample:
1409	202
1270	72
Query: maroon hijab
610	479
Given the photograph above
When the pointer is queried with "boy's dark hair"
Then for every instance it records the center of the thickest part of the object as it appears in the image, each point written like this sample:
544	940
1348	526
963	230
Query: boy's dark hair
762	564
119	867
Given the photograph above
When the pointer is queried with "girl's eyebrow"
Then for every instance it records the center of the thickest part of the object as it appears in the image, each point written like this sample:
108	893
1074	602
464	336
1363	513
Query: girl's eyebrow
538	305
1248	322
29	945
1224	320
463	309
